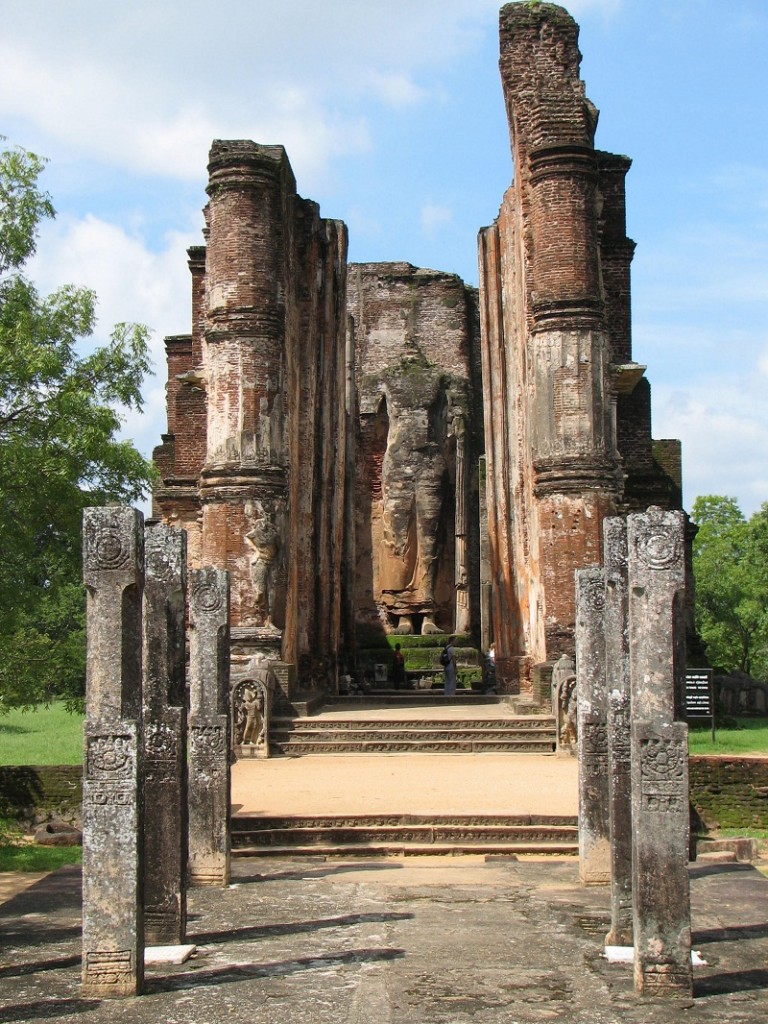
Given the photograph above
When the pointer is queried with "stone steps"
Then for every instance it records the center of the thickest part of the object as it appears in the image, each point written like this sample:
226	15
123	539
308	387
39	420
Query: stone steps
412	698
524	734
411	835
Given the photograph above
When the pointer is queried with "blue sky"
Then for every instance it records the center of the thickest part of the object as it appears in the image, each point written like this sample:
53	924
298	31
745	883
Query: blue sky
392	115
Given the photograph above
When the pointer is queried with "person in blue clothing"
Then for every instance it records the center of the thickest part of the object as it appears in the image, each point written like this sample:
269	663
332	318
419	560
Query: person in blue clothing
448	661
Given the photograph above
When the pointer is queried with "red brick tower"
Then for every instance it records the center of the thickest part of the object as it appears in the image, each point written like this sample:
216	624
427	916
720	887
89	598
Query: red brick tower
254	461
555	308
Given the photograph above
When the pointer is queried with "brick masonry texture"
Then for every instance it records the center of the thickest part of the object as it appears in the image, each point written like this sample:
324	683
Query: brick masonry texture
37	793
730	791
567	441
343	411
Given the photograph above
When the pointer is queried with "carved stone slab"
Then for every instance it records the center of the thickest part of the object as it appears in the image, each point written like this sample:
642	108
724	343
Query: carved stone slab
594	818
619	710
113	938
209	728
165	737
252	697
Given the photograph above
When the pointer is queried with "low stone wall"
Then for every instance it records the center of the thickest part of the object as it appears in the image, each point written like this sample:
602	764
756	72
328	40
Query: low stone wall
731	792
37	793
728	791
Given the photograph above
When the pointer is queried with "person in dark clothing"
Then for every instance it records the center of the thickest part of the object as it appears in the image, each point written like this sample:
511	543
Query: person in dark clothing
448	661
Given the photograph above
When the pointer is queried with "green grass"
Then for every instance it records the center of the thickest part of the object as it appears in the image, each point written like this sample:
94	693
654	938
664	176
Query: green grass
753	833
749	736
38	858
47	735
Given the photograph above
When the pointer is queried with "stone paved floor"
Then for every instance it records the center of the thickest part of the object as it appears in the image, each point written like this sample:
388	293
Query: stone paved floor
393	942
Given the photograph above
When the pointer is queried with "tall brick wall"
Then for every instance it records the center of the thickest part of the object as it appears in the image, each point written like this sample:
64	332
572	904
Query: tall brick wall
554	290
332	469
253	464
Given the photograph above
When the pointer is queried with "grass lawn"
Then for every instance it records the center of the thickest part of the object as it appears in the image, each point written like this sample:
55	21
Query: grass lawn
750	736
45	736
26	857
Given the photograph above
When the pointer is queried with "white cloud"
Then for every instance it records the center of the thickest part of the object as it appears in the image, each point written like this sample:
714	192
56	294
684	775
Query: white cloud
724	435
396	89
132	283
146	86
433	216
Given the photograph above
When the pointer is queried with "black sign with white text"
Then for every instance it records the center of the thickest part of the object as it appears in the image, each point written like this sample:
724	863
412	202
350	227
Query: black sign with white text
699	698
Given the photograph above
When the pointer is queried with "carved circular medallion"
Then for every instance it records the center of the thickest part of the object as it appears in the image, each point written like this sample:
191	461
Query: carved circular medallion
658	549
160	741
208	597
594	595
207	740
110	551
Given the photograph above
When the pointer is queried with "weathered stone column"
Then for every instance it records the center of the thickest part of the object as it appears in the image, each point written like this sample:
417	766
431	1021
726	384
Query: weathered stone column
594	820
462	619
619	704
113	933
165	736
486	634
660	821
209	728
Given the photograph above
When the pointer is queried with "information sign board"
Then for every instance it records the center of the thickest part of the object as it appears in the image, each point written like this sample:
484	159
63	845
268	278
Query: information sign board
699	695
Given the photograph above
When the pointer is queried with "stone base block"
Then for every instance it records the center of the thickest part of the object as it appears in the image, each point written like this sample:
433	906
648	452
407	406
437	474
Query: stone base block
156	955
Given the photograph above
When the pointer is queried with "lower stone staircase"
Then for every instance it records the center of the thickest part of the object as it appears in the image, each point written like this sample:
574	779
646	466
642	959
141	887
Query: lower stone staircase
404	835
528	734
407	723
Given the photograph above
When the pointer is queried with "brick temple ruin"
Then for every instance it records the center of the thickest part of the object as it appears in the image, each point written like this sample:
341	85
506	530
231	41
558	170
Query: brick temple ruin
376	449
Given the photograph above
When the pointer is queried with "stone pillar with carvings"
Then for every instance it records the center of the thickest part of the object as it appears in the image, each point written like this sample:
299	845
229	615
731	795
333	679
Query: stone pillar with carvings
463	619
209	728
113	929
486	621
165	736
660	813
594	819
619	717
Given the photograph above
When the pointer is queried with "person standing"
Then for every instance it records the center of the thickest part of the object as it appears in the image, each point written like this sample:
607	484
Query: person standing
448	661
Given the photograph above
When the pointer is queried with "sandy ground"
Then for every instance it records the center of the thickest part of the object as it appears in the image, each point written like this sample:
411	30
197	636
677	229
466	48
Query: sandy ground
407	783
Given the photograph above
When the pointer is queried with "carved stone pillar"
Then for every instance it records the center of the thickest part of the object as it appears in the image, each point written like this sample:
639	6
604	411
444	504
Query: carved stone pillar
619	717
660	815
463	621
594	820
486	620
165	737
209	728
113	928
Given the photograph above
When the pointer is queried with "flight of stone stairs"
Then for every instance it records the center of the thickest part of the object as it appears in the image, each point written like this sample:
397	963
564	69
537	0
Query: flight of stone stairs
404	835
528	734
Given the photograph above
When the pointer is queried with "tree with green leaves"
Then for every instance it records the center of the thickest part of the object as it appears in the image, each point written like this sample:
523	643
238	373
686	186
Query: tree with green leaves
730	566
60	415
